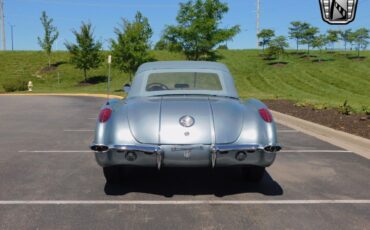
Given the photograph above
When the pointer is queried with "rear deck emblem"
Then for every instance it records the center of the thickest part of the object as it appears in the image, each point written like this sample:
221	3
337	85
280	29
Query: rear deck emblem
338	12
187	121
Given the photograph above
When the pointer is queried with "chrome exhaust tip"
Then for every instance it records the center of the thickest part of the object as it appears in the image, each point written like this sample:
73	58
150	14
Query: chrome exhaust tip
99	148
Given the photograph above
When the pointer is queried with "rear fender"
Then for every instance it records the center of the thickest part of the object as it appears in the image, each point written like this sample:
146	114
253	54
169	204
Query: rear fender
255	129
116	130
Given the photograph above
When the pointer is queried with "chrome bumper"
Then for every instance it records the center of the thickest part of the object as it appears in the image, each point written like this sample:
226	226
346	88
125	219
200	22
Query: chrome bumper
185	155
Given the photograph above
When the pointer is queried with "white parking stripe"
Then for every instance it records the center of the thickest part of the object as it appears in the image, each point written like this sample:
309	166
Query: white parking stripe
78	130
288	131
283	151
314	151
55	151
176	202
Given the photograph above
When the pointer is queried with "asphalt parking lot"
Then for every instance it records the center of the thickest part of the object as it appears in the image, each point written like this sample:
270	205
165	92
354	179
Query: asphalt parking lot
49	180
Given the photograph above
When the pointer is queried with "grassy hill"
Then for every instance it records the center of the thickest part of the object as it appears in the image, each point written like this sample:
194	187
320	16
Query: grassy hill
324	84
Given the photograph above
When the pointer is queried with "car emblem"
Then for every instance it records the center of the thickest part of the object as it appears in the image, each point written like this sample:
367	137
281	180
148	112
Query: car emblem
338	11
187	121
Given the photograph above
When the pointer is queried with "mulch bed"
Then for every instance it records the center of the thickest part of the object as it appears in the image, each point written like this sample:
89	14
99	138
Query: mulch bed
357	124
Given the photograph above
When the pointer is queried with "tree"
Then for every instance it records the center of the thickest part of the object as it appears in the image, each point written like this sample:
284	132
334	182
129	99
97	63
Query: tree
296	31
198	31
347	37
165	44
50	36
360	38
332	37
161	45
223	47
85	54
320	42
309	36
265	35
130	50
277	46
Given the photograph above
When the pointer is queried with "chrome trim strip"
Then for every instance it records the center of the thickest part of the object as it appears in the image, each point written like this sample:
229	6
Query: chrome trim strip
213	135
226	148
147	149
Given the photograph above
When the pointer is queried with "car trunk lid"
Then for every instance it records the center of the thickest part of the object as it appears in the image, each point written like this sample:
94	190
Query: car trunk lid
157	121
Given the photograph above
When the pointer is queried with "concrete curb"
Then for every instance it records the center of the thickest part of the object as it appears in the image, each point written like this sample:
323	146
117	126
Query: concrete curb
358	145
63	94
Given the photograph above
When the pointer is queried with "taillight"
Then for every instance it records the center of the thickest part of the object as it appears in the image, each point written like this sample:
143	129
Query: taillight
266	115
105	115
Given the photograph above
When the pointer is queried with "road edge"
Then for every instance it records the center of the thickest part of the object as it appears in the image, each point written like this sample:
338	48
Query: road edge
64	94
353	143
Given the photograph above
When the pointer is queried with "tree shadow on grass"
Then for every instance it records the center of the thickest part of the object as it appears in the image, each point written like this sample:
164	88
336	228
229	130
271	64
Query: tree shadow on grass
52	67
278	63
191	181
323	60
297	53
269	58
93	80
357	58
57	64
308	56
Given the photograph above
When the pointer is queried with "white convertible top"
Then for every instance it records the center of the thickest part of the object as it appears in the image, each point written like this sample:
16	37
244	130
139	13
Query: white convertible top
139	83
182	65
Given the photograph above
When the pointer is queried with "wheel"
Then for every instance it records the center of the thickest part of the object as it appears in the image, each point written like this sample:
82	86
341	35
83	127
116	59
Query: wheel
113	174
254	173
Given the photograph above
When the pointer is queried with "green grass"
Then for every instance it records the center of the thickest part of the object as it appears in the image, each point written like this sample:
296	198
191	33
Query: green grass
325	84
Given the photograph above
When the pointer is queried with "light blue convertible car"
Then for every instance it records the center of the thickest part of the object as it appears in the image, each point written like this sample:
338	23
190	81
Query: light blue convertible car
184	114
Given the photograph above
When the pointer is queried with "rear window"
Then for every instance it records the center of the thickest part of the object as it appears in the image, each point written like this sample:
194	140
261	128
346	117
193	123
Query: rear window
183	81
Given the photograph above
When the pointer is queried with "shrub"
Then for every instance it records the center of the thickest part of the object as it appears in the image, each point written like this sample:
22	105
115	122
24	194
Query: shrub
12	86
366	110
345	109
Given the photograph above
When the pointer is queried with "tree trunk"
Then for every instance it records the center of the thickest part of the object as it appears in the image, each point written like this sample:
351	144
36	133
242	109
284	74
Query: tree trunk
85	75
345	46
297	45
49	60
308	49
358	51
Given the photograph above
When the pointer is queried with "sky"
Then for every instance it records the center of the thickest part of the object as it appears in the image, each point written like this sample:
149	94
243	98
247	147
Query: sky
107	14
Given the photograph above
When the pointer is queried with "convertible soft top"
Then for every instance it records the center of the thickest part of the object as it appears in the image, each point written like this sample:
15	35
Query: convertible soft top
138	87
182	65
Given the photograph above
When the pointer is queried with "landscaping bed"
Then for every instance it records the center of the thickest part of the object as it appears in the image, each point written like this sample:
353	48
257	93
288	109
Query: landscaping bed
357	124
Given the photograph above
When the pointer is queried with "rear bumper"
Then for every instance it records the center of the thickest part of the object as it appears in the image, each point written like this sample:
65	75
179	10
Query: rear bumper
185	155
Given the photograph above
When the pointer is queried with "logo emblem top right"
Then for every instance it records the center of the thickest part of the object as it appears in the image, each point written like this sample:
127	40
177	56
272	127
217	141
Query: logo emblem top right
338	12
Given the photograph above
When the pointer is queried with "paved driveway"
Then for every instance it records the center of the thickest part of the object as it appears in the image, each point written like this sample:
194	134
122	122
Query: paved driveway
49	180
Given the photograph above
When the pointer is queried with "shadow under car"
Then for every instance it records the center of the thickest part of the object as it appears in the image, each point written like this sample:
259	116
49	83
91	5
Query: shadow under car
191	181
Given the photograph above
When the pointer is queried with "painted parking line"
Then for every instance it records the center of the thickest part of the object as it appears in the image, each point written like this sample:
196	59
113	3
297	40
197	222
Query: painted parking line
55	151
314	151
78	130
178	202
288	131
283	151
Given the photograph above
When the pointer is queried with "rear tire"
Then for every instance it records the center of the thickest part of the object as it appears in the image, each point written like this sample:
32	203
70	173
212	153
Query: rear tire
254	173
113	174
